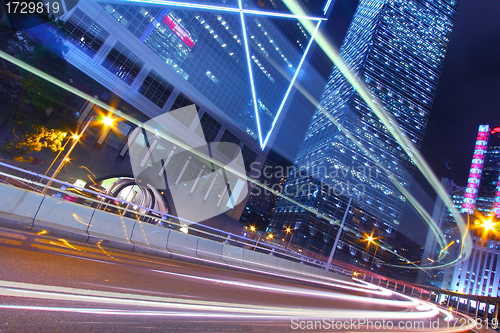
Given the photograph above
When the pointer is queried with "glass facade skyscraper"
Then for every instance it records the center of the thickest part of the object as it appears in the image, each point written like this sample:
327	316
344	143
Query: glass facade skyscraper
242	55
397	48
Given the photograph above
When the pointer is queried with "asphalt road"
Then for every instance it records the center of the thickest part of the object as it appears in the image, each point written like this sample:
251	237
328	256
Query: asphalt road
48	284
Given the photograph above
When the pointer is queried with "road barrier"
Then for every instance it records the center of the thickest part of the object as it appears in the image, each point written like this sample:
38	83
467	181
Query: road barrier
105	219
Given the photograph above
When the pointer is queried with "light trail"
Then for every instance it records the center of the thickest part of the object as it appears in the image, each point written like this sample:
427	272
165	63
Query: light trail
55	293
137	305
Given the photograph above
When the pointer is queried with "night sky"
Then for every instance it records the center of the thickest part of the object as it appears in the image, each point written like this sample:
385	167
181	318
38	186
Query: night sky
468	95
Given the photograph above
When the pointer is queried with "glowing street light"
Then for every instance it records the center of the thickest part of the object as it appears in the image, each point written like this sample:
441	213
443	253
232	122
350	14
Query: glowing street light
107	121
370	239
488	225
289	231
252	228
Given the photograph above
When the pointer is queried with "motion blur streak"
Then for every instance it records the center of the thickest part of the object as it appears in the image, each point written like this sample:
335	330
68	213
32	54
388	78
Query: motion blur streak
125	299
370	289
307	292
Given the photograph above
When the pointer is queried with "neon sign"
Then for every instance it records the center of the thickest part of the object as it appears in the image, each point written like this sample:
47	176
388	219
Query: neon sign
476	169
495	130
178	30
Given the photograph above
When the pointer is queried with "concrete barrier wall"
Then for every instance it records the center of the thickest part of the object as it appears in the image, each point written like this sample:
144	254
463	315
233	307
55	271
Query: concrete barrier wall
305	270
151	236
208	249
111	226
28	208
252	259
182	243
294	266
19	205
269	262
64	215
282	265
232	255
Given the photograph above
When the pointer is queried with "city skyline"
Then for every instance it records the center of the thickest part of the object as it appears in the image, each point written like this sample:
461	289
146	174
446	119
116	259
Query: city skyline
466	97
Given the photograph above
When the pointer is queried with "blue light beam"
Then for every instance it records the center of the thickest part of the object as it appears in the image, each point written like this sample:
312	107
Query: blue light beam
292	82
249	64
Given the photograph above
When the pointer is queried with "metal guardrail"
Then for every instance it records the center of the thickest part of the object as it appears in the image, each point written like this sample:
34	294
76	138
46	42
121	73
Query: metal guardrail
482	318
101	201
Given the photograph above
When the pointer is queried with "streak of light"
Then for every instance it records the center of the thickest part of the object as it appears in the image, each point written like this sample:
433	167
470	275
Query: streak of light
445	248
79	219
124	299
66	244
104	251
12	235
10	241
308	292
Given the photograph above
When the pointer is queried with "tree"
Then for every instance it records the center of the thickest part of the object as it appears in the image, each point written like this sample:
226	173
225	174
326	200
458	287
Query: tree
33	108
40	137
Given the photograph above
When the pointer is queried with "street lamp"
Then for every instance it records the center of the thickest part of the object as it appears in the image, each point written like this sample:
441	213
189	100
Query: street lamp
289	231
107	121
370	239
332	253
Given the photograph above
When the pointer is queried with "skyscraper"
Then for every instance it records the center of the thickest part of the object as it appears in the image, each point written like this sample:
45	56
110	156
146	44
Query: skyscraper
477	275
237	58
483	184
397	48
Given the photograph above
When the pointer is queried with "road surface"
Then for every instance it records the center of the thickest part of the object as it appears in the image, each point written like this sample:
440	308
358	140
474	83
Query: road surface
49	284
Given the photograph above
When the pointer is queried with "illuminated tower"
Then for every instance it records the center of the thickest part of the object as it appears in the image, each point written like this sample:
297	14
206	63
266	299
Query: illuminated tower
397	48
483	184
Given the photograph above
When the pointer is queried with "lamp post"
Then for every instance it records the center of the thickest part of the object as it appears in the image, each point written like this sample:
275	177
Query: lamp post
107	121
370	240
332	253
289	231
74	137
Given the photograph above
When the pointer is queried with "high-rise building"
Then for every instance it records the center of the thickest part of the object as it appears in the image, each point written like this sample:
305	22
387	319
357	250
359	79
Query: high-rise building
397	48
239	59
236	60
483	185
477	275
